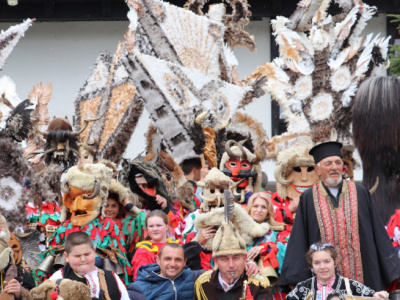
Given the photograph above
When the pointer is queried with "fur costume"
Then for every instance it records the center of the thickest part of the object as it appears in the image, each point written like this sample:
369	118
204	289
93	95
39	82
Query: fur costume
247	227
61	145
108	93
213	189
187	70
86	188
5	249
179	186
40	95
376	131
153	177
68	289
7	255
244	127
323	58
15	167
10	37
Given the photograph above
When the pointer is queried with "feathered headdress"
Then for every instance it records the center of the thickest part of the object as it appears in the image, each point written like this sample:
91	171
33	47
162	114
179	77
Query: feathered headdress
322	60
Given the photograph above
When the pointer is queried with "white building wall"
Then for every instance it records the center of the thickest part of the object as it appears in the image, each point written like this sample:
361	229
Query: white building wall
62	53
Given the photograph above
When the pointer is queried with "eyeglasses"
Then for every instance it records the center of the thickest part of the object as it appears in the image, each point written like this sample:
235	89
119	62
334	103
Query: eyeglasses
322	247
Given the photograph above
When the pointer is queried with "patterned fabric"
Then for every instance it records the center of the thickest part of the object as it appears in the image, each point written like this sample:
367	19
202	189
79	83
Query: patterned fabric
104	233
339	227
93	280
281	209
323	290
304	288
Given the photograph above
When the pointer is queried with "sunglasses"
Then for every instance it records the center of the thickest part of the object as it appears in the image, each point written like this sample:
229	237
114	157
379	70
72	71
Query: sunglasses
322	247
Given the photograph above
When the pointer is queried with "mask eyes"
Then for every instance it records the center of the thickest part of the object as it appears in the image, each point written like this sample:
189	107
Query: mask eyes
245	165
212	191
221	191
232	164
310	169
297	169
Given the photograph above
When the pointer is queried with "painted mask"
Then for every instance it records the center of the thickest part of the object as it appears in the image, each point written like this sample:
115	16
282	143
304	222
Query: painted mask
84	206
301	179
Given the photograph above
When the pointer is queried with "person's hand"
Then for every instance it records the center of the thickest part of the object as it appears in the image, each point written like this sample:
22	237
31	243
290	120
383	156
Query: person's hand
203	173
381	294
294	204
252	269
248	188
161	201
206	234
13	287
254	252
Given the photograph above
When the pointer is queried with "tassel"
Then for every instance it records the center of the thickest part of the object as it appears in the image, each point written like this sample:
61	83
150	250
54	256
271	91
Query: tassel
248	294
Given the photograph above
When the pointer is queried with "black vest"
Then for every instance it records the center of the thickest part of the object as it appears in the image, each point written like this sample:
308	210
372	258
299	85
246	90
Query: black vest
112	285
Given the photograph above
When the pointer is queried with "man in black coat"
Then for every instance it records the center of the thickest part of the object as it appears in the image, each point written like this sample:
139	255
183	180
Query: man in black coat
343	214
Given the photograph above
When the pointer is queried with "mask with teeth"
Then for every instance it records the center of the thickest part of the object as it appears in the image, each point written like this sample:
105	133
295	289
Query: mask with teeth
294	172
85	191
84	206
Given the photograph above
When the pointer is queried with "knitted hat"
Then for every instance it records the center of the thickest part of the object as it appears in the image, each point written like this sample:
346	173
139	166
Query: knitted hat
227	241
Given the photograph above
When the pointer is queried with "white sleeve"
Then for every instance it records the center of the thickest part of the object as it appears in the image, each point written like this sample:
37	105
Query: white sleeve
122	288
56	275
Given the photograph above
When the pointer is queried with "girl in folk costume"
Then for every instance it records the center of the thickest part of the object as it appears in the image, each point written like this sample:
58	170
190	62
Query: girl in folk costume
146	251
267	250
323	260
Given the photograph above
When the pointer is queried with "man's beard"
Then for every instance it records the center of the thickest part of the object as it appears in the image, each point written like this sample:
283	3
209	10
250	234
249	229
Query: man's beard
333	182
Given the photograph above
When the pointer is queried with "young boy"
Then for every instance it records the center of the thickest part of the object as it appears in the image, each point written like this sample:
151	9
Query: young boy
80	257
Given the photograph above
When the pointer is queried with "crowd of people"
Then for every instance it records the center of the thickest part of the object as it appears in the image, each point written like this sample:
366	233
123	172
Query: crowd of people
79	221
178	254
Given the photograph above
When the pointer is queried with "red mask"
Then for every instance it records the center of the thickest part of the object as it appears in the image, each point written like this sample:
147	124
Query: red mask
236	166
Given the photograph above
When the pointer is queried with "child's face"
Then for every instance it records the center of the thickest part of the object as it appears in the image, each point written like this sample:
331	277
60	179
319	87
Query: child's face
323	265
157	229
81	258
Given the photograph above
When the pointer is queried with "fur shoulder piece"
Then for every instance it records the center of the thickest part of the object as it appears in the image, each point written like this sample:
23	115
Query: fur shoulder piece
248	228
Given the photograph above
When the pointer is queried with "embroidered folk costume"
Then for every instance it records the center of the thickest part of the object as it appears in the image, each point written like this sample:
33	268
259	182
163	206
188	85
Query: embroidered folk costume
337	284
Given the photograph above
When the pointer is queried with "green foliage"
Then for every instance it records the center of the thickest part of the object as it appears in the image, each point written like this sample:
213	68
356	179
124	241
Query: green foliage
394	50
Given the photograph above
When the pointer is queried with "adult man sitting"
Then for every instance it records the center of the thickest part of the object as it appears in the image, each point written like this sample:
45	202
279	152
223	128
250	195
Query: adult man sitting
230	281
340	213
169	278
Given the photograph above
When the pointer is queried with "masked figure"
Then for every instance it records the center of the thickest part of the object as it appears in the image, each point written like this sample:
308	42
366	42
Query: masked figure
213	189
239	163
86	189
145	180
61	142
294	174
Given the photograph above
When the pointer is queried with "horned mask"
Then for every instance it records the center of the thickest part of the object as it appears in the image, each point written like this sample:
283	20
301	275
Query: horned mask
61	142
241	166
213	189
86	190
